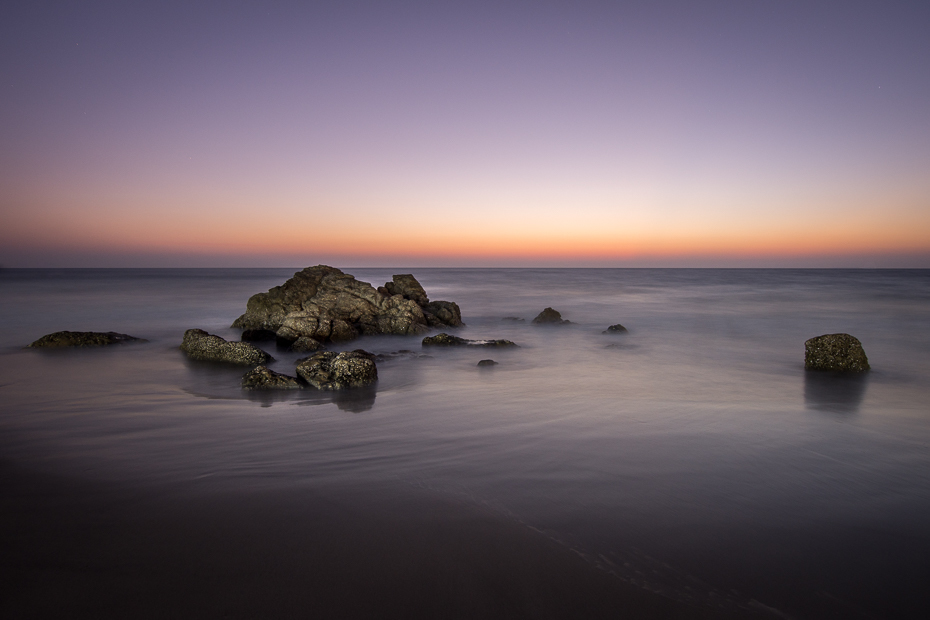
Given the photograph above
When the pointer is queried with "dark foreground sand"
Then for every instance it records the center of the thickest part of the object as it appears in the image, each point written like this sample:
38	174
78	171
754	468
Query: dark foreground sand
74	549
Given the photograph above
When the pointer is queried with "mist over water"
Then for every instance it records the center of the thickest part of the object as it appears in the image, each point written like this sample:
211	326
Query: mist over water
692	456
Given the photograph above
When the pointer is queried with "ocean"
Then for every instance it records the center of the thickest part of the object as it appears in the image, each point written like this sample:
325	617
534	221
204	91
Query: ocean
692	459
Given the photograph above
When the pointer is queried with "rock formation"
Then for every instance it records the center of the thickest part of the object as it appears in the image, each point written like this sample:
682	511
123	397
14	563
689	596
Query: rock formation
550	317
836	352
447	340
329	370
262	378
82	339
615	329
200	345
487	363
326	304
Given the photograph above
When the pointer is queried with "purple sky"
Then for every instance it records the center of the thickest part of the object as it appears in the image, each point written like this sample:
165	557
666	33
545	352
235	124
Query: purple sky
586	133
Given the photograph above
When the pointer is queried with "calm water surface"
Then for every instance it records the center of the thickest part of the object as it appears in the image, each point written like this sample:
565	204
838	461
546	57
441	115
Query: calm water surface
692	456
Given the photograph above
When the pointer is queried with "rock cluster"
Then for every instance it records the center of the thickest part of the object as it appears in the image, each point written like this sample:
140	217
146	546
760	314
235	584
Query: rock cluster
200	345
836	352
447	340
82	339
326	304
550	317
328	370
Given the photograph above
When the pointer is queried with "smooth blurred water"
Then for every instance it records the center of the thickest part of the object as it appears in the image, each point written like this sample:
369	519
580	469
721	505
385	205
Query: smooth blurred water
693	455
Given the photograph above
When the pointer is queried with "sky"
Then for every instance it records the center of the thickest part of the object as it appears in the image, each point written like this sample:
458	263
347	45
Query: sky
667	134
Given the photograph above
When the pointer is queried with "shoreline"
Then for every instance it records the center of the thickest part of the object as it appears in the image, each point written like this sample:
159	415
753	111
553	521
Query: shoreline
89	550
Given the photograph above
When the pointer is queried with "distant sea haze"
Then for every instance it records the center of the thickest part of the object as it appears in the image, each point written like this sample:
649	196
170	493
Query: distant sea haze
691	463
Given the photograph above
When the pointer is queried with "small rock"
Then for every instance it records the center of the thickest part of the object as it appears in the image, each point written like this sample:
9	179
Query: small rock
550	317
82	339
446	340
836	352
305	344
262	378
487	363
513	319
615	329
200	345
329	370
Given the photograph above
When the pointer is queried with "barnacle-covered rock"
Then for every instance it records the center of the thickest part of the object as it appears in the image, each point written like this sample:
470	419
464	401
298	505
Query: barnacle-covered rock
262	378
329	370
200	345
836	352
82	339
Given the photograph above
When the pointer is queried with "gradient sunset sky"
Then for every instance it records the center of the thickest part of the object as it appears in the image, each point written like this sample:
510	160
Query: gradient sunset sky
744	133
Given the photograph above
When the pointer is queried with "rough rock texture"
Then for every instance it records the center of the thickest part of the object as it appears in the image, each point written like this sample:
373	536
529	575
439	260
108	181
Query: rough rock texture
200	345
407	286
83	339
837	352
616	329
487	363
550	317
326	304
261	378
329	370
306	344
447	340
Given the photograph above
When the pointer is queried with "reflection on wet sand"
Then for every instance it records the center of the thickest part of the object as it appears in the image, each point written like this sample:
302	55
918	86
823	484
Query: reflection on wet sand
837	392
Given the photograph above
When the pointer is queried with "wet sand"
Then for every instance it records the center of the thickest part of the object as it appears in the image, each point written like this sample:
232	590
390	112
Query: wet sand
78	549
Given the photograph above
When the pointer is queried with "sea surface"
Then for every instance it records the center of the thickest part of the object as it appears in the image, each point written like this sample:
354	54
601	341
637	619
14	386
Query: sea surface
692	457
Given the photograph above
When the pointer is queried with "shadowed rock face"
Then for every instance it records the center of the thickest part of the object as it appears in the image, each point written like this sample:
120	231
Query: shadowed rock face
328	370
261	378
200	345
82	339
305	344
550	317
326	304
836	352
616	329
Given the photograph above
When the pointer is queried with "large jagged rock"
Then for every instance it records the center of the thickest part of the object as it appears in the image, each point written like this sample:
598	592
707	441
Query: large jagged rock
82	339
329	370
262	378
447	340
836	352
550	317
200	345
328	305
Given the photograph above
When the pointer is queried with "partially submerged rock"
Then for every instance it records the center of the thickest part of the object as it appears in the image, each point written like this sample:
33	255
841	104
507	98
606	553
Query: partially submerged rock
487	363
616	329
329	370
402	354
82	339
513	319
200	345
550	317
326	304
262	378
836	352
447	340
